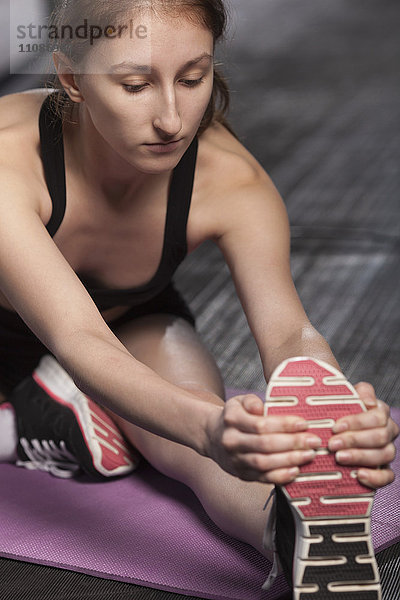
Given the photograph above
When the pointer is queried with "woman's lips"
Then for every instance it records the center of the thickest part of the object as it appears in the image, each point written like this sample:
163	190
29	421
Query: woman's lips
164	147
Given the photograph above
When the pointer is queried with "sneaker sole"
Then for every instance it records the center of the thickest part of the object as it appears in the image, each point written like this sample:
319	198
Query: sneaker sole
333	555
110	453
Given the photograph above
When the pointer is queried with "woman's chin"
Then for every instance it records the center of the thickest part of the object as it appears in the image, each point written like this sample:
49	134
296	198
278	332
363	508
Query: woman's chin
157	163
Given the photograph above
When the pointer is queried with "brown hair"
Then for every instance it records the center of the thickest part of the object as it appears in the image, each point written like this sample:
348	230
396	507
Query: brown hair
210	13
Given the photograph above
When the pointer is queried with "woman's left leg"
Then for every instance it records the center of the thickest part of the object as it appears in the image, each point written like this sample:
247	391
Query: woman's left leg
171	347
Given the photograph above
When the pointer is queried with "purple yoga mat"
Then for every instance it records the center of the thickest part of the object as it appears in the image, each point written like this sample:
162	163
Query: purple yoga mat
144	529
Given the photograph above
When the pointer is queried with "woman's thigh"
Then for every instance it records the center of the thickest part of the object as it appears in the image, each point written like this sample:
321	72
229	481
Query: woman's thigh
170	346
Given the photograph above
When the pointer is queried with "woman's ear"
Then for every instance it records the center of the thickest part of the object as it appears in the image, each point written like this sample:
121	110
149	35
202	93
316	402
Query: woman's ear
67	76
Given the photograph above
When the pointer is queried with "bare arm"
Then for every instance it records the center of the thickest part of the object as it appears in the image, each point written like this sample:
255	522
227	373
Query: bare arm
48	295
255	241
256	244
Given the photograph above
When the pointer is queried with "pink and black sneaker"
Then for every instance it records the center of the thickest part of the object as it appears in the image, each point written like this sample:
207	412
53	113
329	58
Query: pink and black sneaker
62	431
323	536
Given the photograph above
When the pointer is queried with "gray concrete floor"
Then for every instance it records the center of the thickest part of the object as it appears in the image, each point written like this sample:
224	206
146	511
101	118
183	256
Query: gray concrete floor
316	97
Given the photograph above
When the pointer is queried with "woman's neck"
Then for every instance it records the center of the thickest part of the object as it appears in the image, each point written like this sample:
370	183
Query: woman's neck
100	166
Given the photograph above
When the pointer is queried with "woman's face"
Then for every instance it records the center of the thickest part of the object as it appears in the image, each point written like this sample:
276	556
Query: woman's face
149	87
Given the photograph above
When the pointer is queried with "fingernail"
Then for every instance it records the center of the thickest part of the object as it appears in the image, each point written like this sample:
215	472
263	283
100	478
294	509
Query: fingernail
309	454
336	445
339	427
362	475
370	401
342	455
294	471
301	425
314	441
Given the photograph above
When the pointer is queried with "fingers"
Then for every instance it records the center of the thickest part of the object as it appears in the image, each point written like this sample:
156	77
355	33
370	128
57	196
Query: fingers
253	404
367	394
237	414
366	440
271	449
280	476
366	458
234	441
369	438
277	468
263	463
375	478
375	417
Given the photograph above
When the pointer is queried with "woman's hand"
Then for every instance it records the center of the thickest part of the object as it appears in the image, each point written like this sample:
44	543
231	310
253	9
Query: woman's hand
257	448
366	440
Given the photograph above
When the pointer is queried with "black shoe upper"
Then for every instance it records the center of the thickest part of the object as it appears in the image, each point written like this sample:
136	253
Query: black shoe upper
40	417
285	534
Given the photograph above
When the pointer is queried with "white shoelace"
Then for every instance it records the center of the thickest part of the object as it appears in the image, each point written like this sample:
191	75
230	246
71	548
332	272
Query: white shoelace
47	456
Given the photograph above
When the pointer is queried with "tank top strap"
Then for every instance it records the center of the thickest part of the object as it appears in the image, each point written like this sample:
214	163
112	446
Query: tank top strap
180	196
52	153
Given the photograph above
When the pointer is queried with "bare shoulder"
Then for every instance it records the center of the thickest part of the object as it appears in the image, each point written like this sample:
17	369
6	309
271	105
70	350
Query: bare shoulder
229	181
20	140
19	109
19	131
226	159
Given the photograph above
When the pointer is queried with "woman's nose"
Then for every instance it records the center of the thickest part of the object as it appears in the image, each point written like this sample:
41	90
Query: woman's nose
168	121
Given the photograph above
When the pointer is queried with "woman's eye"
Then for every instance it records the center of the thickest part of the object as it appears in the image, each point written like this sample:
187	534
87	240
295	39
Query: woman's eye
133	89
192	82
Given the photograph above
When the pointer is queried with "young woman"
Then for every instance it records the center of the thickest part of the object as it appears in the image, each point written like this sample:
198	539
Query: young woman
131	167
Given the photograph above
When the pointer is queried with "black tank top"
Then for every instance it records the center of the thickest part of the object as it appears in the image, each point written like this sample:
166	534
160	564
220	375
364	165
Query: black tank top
179	199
